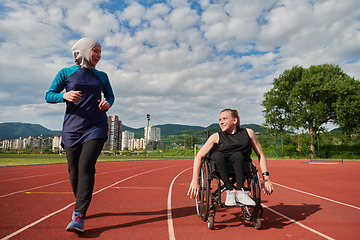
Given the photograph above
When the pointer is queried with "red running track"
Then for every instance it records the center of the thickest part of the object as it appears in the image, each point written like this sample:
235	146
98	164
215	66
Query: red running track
147	200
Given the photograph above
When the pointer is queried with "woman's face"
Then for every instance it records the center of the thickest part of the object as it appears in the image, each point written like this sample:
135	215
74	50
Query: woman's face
227	122
95	55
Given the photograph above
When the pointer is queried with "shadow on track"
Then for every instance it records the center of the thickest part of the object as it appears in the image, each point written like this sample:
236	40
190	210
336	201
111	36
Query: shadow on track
160	216
295	212
269	219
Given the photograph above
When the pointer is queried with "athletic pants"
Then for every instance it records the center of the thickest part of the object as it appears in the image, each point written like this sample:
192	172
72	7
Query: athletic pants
237	159
81	166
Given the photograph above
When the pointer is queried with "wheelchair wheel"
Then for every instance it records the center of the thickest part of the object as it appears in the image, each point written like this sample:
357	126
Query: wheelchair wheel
257	222
211	222
253	213
203	199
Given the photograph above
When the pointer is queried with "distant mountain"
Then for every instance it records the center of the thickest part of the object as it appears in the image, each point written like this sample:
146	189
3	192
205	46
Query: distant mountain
166	129
199	133
139	132
14	130
174	128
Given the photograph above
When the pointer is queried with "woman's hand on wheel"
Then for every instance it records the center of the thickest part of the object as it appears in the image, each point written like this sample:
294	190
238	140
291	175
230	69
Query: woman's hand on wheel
267	186
193	189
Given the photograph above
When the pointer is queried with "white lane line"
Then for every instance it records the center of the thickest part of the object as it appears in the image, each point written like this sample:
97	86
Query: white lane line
300	224
62	209
51	184
26	190
36	222
41	175
169	213
33	176
317	196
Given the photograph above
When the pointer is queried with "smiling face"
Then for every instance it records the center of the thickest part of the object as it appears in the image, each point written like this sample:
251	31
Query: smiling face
227	122
95	55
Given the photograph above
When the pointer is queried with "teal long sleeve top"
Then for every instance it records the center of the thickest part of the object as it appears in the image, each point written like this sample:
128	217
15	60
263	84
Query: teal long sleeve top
83	120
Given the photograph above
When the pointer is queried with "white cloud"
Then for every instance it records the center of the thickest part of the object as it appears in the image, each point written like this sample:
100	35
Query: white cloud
183	18
180	64
89	20
133	14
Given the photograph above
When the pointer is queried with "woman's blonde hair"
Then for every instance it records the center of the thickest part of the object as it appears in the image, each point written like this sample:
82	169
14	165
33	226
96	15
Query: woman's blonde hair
234	114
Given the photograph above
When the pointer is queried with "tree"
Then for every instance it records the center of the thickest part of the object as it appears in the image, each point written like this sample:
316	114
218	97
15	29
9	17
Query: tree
310	97
190	141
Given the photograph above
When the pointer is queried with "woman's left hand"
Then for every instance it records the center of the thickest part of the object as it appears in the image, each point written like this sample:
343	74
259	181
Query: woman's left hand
267	186
104	105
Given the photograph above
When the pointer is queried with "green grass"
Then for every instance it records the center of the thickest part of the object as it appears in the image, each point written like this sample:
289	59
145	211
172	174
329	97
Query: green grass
30	159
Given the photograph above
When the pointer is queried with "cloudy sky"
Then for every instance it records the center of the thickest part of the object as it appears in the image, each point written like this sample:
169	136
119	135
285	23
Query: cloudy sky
180	61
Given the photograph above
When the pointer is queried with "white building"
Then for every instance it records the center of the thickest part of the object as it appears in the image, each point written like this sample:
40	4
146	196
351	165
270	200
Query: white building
19	143
125	138
8	143
136	144
153	134
46	142
29	142
56	143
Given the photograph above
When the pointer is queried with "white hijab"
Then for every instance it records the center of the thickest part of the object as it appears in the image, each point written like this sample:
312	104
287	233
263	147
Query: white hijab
81	51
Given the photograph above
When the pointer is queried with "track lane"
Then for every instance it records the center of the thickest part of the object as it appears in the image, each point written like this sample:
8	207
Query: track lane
321	219
102	186
137	207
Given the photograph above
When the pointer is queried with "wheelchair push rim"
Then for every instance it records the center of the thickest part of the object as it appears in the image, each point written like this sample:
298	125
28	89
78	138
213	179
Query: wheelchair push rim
203	199
254	213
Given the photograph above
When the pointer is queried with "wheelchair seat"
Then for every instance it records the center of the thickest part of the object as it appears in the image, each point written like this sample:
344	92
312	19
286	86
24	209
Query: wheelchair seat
229	167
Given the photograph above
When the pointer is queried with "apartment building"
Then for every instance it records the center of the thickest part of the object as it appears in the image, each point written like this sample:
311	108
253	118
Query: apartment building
56	143
136	144
125	138
29	142
114	139
152	133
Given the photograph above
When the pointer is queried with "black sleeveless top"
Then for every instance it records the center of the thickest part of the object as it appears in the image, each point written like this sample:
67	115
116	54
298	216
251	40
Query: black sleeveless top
239	141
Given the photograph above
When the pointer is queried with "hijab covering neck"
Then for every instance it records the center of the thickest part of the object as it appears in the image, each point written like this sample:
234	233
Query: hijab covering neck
81	51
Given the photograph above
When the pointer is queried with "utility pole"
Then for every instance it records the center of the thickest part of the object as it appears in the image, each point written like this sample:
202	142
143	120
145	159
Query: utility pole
147	133
191	144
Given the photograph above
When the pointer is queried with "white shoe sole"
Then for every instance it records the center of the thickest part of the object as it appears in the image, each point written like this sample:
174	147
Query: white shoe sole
74	229
230	205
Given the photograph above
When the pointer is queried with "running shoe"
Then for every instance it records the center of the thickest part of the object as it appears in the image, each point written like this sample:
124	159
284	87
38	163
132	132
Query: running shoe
77	223
230	198
242	198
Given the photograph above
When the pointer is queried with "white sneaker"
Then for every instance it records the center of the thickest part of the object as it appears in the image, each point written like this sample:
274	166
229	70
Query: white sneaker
230	198
242	198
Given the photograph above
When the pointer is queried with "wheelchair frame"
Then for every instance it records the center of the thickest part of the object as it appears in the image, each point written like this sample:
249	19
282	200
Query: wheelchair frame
205	202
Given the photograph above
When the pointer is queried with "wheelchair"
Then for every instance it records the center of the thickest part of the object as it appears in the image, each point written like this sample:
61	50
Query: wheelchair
206	200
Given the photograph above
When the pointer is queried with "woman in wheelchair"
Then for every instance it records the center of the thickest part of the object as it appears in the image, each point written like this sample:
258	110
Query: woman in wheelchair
233	144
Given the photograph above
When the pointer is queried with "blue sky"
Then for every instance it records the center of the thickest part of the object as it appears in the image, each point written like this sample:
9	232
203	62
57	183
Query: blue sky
180	61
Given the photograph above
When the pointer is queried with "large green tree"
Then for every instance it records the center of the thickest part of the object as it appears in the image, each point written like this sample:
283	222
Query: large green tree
310	97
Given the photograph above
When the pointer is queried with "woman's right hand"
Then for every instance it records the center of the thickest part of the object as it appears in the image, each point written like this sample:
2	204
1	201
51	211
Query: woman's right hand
72	96
193	189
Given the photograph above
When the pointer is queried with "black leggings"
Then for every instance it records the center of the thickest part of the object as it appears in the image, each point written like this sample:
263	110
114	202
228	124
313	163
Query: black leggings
238	160
81	166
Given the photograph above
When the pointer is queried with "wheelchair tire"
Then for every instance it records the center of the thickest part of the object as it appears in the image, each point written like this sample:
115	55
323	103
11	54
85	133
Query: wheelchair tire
203	199
257	222
211	222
